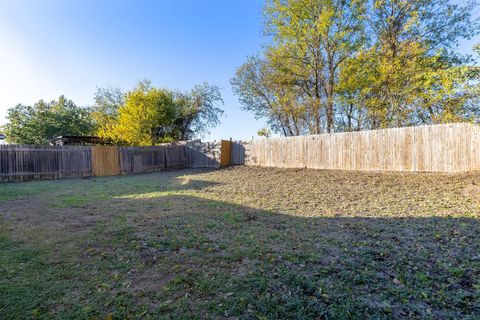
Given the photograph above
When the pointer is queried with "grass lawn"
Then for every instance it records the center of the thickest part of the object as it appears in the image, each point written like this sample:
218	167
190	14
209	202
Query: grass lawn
244	242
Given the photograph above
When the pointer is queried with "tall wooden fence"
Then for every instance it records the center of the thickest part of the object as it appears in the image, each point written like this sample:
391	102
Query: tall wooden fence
148	159
19	162
22	162
202	154
436	148
214	154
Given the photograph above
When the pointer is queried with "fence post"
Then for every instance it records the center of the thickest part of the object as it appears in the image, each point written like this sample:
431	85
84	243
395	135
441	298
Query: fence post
165	158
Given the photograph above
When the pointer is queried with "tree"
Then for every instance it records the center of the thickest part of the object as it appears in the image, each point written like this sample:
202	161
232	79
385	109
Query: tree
105	110
196	111
311	41
151	115
142	119
411	74
43	121
258	86
358	64
264	132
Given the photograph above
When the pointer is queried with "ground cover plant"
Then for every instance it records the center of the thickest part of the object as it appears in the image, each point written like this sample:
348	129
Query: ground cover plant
242	242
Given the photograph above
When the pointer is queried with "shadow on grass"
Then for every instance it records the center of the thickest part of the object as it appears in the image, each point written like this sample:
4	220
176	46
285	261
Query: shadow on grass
182	256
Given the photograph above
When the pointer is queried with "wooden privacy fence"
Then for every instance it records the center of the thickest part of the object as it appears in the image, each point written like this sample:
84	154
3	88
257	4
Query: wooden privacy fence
202	154
20	162
436	148
148	159
52	162
214	154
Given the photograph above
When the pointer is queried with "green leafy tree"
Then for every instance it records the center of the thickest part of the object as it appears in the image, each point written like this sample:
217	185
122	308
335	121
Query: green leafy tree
410	74
358	64
106	108
150	115
196	111
143	117
264	132
311	39
39	123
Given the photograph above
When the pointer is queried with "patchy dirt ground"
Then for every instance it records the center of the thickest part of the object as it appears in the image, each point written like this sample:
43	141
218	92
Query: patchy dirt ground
243	242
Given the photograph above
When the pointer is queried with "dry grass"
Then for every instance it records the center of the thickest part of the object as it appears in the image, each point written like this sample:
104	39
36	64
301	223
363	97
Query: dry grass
320	193
243	242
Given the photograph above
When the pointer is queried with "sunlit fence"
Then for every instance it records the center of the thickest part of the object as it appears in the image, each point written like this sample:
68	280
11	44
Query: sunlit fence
436	148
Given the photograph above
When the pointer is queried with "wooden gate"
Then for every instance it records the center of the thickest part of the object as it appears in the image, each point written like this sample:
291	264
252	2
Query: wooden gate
225	153
105	161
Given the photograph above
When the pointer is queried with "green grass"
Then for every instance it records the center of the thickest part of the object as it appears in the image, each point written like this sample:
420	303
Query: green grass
244	243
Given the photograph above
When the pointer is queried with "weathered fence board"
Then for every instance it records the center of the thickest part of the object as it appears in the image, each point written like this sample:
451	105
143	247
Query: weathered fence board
237	156
436	148
148	159
19	162
202	154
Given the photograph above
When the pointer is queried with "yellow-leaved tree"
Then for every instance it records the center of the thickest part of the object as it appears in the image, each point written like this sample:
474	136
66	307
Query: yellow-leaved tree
147	115
146	111
342	65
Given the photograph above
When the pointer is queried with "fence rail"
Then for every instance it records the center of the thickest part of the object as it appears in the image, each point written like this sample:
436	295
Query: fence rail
436	148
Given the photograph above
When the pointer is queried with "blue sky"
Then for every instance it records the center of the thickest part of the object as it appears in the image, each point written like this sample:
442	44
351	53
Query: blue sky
49	48
71	47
